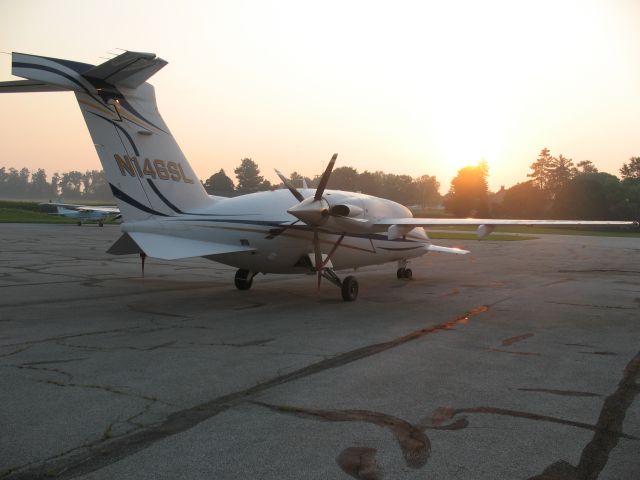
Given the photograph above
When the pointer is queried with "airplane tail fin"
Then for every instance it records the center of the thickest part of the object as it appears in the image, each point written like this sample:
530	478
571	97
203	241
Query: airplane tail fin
146	170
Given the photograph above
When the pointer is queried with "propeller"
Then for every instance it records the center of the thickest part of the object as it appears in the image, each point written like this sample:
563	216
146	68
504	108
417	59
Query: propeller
313	210
287	183
318	255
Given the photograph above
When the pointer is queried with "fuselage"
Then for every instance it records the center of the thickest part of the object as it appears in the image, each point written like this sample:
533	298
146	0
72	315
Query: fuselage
81	215
281	242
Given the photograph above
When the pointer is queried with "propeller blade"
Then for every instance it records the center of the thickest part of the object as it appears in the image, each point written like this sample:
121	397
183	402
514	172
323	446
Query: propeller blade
318	254
325	178
294	191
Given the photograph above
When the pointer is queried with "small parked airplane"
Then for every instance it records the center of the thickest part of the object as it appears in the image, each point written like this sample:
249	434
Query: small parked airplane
85	212
168	215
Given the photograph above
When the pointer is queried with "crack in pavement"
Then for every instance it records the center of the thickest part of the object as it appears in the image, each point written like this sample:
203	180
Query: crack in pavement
108	452
447	412
85	334
617	307
15	352
413	442
119	295
93	348
507	342
601	270
360	463
513	352
595	454
567	393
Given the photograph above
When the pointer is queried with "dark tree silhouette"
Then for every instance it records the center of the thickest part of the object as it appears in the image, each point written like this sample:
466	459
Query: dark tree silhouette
631	169
469	192
219	184
249	178
524	200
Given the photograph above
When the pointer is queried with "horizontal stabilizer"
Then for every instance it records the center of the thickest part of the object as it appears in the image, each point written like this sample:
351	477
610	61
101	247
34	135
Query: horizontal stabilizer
168	247
438	249
129	69
18	86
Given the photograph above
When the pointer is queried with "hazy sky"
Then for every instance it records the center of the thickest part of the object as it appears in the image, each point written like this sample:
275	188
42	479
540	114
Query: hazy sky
411	87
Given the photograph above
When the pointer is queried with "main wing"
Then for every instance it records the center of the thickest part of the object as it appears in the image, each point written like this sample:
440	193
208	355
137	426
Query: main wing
431	222
486	225
86	208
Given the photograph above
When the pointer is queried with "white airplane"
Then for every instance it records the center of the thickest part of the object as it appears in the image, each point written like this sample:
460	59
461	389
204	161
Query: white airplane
168	215
85	212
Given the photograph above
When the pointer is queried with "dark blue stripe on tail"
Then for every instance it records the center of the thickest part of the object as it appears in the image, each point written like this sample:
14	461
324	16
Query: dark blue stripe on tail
163	198
120	195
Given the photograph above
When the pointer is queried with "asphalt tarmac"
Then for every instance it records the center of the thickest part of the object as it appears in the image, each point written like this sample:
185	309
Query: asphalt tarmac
518	361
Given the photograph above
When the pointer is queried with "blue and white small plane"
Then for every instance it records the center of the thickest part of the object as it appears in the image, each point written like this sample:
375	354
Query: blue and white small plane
167	214
85	213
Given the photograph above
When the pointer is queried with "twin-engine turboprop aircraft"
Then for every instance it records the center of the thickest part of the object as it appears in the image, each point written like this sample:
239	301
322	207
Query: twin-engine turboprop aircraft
168	215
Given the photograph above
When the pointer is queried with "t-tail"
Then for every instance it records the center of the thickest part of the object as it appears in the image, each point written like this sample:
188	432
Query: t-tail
147	172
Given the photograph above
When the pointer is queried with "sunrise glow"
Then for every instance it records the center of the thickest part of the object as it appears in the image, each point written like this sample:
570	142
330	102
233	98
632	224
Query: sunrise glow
407	87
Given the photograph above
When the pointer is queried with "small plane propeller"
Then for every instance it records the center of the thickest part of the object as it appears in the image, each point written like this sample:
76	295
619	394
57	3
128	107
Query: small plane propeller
315	211
312	210
294	191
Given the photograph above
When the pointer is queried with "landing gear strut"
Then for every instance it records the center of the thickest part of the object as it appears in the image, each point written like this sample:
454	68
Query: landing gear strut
244	279
348	287
403	271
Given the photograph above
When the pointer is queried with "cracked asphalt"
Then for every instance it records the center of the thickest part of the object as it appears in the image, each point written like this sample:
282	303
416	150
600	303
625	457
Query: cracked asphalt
519	361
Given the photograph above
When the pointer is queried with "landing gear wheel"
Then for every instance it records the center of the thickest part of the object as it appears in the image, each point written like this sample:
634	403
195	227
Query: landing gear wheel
349	289
79	223
243	279
404	273
100	224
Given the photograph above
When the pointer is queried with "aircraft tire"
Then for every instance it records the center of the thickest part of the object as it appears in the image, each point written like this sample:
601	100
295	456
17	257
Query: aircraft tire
349	289
79	223
404	273
243	279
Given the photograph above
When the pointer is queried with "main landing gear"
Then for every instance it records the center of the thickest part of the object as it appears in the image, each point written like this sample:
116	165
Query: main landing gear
348	287
404	272
244	279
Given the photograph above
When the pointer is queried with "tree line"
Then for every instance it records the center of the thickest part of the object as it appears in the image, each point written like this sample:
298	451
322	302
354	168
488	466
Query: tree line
557	189
422	191
74	185
93	186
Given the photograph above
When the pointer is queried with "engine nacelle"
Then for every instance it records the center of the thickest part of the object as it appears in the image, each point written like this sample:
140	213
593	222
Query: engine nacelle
346	210
484	230
398	231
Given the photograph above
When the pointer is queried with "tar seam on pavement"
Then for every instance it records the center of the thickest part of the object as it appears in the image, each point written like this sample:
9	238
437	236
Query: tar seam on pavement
105	453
